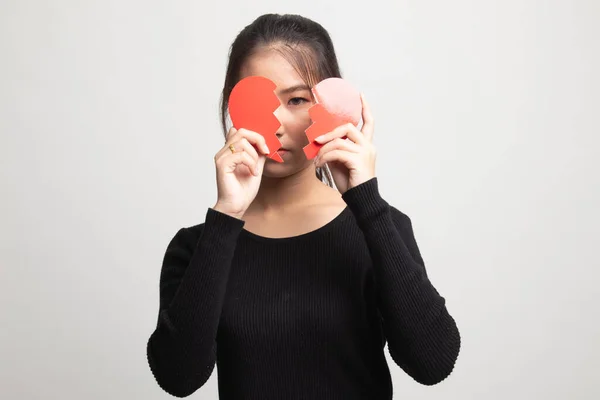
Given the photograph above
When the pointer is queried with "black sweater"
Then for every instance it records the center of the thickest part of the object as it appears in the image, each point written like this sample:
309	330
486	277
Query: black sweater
304	317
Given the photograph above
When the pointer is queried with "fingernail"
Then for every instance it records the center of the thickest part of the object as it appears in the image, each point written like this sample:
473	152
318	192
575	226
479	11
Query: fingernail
319	139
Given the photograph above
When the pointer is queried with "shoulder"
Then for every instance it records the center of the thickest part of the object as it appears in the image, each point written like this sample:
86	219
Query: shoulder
400	219
186	237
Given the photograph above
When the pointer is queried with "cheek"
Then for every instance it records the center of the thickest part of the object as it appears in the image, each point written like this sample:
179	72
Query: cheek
298	122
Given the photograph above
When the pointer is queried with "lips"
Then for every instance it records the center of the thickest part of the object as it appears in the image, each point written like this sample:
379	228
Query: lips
283	152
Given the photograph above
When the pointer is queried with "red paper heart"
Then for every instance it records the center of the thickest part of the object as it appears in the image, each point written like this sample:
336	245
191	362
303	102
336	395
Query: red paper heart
251	105
337	104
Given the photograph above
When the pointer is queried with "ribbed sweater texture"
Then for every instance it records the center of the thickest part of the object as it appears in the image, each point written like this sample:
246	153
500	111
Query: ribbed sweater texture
303	317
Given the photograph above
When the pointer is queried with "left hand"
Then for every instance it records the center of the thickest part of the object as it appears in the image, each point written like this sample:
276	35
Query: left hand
349	152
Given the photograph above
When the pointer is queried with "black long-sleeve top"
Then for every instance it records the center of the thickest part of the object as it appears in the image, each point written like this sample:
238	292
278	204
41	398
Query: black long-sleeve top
303	317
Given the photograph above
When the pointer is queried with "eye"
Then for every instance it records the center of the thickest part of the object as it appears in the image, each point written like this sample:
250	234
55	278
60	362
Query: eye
296	101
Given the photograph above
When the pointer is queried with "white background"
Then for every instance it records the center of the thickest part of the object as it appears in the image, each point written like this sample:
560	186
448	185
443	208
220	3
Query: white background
487	117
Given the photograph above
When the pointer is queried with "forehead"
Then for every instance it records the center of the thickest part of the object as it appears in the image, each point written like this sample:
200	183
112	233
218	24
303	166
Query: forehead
272	65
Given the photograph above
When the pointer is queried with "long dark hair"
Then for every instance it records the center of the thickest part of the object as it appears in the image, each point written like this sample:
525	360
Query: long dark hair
303	42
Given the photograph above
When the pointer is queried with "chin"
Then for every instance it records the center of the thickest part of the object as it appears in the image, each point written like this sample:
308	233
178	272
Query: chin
274	169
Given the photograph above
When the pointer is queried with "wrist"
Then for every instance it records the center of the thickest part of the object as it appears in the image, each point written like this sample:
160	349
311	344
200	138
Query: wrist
225	210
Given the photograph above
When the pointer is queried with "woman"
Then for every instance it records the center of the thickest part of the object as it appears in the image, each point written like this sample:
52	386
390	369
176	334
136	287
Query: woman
292	286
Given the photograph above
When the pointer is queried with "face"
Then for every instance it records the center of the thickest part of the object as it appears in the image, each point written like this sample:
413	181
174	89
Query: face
295	98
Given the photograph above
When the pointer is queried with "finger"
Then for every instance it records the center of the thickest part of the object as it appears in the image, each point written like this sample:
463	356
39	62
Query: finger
242	158
338	132
342	156
228	136
253	137
230	133
244	145
339	144
347	130
226	149
368	128
355	135
241	142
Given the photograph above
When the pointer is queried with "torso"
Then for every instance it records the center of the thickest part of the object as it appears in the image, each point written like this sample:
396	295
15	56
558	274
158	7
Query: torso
299	314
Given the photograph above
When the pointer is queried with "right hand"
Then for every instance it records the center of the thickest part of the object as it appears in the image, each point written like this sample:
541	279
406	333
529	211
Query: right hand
239	174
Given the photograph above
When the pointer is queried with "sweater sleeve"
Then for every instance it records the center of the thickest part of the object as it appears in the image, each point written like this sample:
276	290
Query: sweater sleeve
423	338
181	351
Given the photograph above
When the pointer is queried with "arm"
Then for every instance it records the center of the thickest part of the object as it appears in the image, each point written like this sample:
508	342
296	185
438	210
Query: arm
182	349
423	338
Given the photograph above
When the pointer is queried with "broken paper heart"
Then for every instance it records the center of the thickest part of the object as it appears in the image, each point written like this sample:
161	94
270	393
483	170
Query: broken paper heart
338	103
253	101
251	105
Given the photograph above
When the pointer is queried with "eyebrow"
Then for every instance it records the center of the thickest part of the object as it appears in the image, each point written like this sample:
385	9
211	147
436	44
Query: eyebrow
294	88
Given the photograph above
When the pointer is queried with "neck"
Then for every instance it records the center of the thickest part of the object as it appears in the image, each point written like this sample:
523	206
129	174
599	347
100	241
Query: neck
279	194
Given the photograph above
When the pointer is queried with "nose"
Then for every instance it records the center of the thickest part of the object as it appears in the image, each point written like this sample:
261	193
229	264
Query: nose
280	115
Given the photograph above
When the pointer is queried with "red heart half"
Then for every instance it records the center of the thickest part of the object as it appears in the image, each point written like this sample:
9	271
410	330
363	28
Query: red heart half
251	105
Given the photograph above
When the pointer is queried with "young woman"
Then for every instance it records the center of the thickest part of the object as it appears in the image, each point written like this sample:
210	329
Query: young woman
301	271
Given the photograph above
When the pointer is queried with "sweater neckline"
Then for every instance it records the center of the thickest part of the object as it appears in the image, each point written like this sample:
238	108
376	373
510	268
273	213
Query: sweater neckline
308	235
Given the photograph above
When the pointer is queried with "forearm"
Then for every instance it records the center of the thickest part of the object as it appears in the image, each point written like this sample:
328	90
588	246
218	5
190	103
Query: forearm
182	349
423	337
